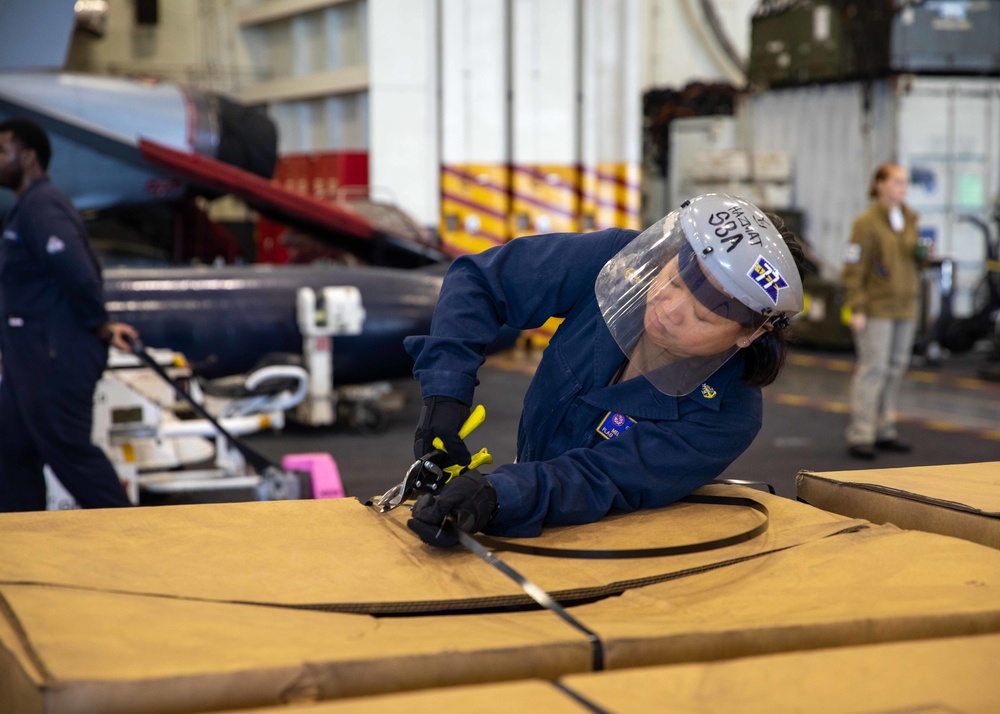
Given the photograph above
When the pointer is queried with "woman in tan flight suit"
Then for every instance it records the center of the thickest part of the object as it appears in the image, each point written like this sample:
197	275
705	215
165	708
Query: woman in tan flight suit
881	281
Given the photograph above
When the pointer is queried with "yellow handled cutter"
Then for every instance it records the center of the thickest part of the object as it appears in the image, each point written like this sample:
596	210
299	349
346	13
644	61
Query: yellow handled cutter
425	476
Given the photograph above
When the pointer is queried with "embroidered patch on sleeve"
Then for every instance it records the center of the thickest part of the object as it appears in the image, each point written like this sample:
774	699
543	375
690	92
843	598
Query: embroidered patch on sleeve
55	245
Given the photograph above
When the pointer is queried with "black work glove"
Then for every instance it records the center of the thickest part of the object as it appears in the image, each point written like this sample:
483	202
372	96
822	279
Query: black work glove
442	417
468	498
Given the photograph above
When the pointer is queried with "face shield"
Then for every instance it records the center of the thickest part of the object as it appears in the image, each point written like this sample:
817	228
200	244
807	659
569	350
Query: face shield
694	288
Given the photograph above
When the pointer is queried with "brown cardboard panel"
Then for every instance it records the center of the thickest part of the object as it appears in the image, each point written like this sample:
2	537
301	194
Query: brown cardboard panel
110	653
20	678
875	585
525	696
340	555
107	652
975	487
934	675
961	500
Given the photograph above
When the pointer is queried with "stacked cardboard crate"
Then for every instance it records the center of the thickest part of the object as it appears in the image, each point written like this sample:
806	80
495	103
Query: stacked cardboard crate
209	607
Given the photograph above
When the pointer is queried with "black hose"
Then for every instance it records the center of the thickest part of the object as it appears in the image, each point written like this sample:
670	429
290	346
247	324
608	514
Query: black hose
257	460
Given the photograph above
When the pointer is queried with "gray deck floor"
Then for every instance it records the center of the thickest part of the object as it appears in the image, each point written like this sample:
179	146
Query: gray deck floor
947	413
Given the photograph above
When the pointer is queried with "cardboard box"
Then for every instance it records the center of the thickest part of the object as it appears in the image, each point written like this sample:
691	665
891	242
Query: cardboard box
154	642
337	554
961	500
526	696
937	675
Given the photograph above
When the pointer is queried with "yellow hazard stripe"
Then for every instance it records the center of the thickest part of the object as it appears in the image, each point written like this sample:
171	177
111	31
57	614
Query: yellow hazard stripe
610	196
544	199
474	206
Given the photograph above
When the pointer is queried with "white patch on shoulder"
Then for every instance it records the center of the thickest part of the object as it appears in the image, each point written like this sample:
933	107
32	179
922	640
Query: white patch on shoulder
852	254
55	245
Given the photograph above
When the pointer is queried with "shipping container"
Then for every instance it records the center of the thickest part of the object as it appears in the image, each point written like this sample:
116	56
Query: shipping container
796	42
944	130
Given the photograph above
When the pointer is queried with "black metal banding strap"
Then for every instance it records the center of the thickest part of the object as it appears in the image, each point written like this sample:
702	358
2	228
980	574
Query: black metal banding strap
257	460
535	593
520	547
483	546
580	699
744	482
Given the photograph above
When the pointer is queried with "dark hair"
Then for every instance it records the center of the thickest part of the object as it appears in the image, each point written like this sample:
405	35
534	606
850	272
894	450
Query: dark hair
32	136
765	356
880	175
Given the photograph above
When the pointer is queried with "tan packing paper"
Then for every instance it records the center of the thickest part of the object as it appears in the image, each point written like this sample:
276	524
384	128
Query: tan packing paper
340	555
20	676
113	653
936	675
527	696
874	585
80	652
961	500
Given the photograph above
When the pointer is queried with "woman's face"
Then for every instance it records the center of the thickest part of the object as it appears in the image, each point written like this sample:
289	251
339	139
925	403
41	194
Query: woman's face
678	322
892	189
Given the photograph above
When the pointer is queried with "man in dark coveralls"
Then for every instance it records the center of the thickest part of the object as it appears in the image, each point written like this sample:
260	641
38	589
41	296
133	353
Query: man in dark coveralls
54	336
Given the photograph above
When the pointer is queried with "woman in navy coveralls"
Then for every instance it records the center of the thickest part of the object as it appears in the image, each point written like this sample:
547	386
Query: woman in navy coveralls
604	428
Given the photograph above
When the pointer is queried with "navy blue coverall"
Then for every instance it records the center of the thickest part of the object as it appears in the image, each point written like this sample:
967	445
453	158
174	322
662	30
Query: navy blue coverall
566	471
51	303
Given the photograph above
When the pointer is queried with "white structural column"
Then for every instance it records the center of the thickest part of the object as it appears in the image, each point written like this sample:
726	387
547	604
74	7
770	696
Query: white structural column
403	104
545	144
678	46
611	115
475	123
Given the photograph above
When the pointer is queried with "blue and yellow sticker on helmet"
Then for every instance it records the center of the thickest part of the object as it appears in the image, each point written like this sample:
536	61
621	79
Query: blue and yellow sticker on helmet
767	277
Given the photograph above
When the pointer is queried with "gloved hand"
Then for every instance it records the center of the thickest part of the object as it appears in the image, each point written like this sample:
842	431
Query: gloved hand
442	417
468	498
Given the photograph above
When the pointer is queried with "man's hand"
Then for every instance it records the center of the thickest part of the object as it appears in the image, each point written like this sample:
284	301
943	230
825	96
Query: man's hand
115	334
859	321
442	417
468	500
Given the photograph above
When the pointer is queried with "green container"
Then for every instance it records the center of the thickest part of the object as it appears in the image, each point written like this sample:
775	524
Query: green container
810	41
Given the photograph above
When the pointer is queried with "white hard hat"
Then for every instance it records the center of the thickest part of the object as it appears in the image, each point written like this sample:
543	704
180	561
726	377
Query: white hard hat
692	289
741	248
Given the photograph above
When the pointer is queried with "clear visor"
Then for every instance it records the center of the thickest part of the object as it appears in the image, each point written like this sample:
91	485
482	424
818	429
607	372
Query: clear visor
669	316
